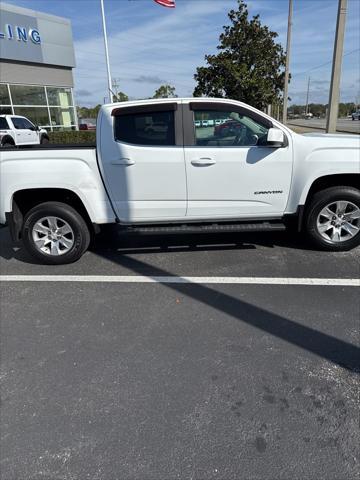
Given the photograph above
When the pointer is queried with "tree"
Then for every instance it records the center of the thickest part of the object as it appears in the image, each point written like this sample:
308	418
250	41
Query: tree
250	65
165	91
120	97
84	112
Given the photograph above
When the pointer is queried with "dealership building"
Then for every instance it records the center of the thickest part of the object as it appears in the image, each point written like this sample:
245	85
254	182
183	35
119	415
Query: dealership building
36	62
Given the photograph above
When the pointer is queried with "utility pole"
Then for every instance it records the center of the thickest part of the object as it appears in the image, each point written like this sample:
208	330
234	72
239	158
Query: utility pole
288	46
106	50
307	97
336	69
115	85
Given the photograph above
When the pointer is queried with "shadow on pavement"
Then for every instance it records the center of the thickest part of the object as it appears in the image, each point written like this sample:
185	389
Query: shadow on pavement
116	247
113	239
326	346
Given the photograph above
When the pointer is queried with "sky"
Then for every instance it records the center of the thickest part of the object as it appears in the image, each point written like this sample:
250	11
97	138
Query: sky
150	45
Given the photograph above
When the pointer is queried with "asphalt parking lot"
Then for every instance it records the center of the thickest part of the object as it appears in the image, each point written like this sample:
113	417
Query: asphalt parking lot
344	125
124	380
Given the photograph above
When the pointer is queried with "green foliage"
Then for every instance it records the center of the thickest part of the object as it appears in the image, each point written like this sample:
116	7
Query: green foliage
84	112
121	97
319	109
250	65
165	91
72	136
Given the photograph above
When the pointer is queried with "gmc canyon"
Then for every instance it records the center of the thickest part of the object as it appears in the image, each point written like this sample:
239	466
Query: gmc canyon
190	175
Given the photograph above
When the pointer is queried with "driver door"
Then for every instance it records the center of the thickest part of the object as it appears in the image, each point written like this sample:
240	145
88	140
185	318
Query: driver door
231	171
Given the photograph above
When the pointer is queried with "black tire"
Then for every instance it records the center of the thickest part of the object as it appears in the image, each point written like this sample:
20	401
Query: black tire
319	201
6	144
81	233
44	140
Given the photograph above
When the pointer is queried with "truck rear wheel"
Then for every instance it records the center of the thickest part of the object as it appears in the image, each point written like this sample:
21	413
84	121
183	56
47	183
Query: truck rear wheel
55	233
333	219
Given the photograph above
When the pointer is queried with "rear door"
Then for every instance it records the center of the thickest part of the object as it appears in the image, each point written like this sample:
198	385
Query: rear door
231	171
142	158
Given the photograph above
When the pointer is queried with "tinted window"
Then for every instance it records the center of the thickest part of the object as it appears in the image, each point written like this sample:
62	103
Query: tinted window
226	129
27	124
18	123
3	124
150	128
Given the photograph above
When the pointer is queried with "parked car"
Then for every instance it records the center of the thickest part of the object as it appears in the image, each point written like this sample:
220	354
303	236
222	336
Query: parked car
356	115
229	128
197	123
157	127
55	200
87	126
16	130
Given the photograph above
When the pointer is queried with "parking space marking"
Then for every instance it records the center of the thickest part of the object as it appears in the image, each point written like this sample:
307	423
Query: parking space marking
338	282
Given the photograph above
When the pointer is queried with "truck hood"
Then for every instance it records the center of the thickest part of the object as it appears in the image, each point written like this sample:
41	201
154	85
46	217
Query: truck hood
333	140
331	135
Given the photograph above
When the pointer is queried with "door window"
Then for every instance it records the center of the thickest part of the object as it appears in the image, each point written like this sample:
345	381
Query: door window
28	125
3	124
227	129
18	123
146	128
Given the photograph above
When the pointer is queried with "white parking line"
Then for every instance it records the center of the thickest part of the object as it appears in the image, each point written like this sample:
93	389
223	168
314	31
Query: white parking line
341	282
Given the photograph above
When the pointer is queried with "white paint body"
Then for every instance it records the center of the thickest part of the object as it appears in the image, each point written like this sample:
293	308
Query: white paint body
149	184
20	136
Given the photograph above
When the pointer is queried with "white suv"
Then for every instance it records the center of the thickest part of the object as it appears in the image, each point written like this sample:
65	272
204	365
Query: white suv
17	130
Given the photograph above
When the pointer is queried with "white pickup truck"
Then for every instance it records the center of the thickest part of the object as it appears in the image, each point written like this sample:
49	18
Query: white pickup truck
251	173
17	130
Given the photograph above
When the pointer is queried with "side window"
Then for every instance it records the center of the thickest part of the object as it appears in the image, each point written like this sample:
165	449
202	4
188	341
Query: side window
18	123
27	124
3	124
147	128
227	129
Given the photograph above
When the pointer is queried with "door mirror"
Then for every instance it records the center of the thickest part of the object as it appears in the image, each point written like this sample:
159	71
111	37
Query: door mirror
275	138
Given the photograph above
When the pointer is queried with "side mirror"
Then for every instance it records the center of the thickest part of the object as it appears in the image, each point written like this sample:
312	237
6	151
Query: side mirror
275	138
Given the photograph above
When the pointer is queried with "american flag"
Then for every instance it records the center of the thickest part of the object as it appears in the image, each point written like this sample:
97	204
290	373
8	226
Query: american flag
166	3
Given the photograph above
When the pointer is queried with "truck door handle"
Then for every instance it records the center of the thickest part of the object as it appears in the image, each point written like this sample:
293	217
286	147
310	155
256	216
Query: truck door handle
203	162
123	161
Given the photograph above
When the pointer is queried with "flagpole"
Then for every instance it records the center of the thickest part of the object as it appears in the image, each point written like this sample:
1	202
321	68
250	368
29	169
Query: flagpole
106	50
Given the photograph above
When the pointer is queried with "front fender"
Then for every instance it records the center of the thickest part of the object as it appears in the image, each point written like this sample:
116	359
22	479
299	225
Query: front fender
321	162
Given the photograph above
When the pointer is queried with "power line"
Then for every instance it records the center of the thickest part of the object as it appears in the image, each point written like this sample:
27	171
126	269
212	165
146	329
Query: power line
323	64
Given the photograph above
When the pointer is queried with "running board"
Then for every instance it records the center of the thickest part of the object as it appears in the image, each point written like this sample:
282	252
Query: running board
206	228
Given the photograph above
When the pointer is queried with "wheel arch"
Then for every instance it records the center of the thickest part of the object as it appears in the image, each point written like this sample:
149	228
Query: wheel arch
24	200
7	139
321	183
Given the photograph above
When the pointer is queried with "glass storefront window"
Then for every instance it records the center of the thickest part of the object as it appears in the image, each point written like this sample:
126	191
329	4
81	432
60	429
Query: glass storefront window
62	116
5	110
38	115
4	95
28	95
59	96
49	107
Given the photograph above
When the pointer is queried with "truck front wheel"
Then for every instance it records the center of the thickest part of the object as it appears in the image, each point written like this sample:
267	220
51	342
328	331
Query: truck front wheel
55	233
333	219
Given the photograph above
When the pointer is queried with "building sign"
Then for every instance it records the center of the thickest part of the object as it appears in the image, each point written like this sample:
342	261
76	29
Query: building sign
22	34
34	37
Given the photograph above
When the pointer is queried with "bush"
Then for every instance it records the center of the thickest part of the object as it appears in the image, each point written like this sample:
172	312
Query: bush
72	136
